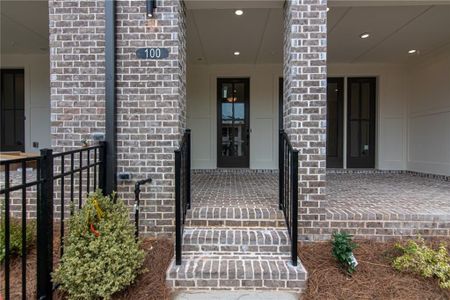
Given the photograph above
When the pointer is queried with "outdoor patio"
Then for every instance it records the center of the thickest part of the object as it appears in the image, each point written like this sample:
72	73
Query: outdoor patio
367	203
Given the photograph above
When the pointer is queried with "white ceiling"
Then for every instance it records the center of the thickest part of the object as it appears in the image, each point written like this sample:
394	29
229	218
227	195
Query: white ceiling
394	31
24	26
214	34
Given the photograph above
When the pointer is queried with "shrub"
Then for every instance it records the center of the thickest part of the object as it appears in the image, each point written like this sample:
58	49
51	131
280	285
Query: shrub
425	261
15	237
101	256
343	247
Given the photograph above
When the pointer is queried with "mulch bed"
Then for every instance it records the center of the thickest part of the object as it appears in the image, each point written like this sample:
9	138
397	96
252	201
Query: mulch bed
373	279
149	285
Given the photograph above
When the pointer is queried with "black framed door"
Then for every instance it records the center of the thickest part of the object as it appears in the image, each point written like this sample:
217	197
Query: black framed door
335	122
361	122
233	136
12	110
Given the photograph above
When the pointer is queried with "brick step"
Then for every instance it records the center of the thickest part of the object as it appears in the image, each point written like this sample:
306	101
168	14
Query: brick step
221	272
236	240
234	217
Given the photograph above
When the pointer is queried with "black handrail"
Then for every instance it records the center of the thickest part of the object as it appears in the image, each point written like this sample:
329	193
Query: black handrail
288	189
51	169
182	190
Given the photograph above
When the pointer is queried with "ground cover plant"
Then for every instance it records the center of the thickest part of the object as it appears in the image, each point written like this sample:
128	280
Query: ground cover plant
421	259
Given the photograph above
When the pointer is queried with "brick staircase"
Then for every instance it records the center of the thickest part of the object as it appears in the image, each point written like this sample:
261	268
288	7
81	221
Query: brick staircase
243	247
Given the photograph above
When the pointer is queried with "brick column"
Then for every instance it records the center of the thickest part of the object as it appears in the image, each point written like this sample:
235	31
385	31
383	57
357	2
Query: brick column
151	94
304	108
151	107
77	71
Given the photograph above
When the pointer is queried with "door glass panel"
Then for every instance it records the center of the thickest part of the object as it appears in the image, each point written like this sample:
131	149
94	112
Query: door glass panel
354	139
227	129
354	101
233	124
365	100
20	90
9	138
365	138
8	91
332	120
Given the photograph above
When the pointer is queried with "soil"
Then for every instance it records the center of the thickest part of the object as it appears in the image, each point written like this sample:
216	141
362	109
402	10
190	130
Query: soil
149	285
374	277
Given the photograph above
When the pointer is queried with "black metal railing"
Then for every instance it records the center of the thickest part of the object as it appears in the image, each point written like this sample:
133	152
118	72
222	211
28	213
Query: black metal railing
182	190
74	174
288	189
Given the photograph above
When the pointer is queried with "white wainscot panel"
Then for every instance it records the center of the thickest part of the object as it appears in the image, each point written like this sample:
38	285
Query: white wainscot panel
262	144
201	143
429	142
391	144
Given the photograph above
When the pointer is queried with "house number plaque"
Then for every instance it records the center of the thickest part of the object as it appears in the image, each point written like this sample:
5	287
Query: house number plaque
152	53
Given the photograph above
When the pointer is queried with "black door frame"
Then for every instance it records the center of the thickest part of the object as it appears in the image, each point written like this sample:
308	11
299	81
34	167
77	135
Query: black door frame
243	161
3	127
338	160
280	103
369	161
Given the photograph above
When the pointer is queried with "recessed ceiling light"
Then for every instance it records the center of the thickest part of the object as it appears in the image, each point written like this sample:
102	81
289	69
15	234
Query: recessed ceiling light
236	53
328	9
412	51
365	35
239	12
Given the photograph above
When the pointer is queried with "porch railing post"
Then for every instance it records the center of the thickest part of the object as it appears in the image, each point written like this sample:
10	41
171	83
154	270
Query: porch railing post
188	168
178	208
280	168
294	215
102	168
45	226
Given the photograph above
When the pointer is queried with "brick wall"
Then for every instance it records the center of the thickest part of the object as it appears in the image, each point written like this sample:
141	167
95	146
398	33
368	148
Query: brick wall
151	106
77	71
304	108
150	94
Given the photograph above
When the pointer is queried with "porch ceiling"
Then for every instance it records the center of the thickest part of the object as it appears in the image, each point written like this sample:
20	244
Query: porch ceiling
24	27
215	34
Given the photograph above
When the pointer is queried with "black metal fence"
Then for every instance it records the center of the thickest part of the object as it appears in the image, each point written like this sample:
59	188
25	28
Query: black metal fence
83	168
288	189
182	190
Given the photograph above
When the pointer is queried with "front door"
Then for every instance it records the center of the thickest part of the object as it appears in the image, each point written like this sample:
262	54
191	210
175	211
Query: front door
233	139
12	110
361	122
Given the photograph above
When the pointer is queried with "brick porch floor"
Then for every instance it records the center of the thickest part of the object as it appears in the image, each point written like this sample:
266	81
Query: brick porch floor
385	205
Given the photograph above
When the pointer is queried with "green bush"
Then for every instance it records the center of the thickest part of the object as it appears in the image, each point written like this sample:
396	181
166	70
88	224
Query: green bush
343	247
15	237
101	256
425	261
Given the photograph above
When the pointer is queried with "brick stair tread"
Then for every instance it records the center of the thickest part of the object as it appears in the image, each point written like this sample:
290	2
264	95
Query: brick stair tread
236	236
234	213
218	267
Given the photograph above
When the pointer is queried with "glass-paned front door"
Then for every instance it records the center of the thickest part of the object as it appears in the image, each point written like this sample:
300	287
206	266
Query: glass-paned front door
361	123
233	122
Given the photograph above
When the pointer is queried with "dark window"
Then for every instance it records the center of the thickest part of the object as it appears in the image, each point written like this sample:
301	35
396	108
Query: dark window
12	110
